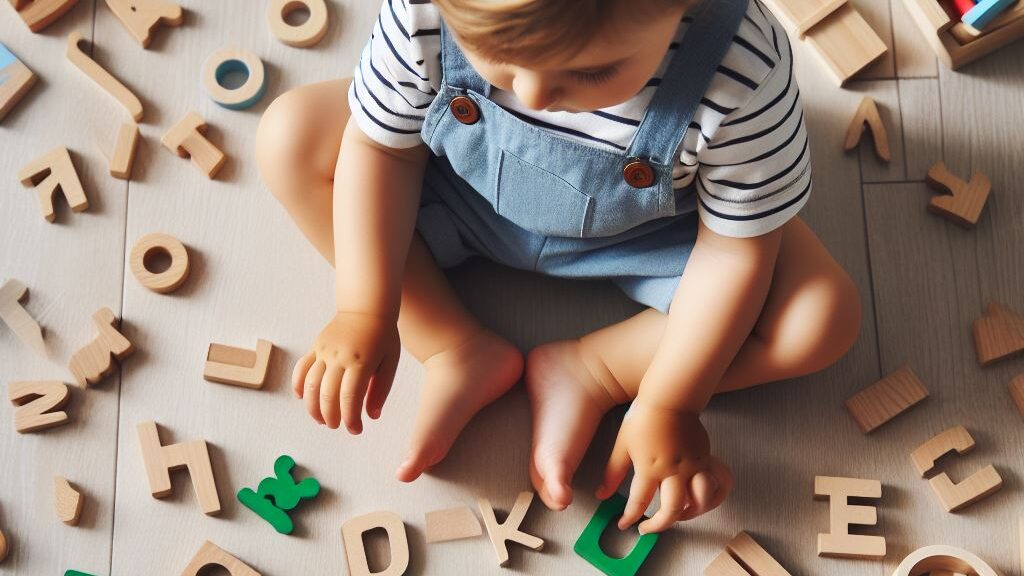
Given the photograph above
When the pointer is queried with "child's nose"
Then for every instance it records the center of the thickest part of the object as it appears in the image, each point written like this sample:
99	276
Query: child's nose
535	91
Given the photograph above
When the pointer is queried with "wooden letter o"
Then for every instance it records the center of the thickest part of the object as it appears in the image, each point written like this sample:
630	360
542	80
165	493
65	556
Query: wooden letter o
932	558
304	35
162	282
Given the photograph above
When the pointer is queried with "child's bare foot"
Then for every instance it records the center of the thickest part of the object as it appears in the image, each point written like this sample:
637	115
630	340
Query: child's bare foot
459	382
567	402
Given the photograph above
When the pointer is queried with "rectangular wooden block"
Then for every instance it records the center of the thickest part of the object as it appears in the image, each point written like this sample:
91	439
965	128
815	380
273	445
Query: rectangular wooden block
238	366
886	399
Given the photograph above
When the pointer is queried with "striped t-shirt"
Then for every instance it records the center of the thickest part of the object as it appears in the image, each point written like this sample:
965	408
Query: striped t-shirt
744	163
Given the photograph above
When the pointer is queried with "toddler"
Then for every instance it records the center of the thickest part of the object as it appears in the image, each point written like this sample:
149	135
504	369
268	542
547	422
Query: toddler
656	143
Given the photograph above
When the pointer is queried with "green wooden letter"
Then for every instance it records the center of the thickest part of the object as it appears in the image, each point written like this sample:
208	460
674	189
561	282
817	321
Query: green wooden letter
286	494
588	545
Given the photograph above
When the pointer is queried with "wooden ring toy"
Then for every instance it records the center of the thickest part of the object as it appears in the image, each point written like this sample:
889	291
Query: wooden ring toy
304	35
229	61
933	558
161	282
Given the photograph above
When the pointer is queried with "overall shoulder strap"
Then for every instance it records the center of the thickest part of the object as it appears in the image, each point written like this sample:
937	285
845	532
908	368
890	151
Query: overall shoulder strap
687	78
458	72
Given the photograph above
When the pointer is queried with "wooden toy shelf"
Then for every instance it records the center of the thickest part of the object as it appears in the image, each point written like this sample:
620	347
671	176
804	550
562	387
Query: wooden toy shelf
958	44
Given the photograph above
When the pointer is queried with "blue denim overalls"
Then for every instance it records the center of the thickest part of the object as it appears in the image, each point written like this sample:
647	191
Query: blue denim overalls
505	189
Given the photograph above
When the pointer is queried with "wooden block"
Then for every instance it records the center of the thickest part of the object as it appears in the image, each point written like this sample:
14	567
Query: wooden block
161	460
39	404
885	399
955	496
92	362
743	556
145	249
451	524
840	36
51	172
867	114
210	554
355	552
960	202
933	558
99	75
500	534
839	543
3	546
1017	392
15	80
17	318
38	14
304	35
998	334
123	158
238	366
67	501
141	17
186	140
276	495
229	60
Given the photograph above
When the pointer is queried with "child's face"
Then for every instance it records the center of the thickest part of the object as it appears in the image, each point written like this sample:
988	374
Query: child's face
611	68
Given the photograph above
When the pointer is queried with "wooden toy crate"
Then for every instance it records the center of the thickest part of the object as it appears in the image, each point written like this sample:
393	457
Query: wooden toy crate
957	43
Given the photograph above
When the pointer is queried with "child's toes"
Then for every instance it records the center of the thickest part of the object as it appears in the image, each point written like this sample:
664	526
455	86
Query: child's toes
552	482
417	462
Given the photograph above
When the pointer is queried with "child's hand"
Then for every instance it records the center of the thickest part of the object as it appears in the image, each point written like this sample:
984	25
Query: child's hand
669	449
355	355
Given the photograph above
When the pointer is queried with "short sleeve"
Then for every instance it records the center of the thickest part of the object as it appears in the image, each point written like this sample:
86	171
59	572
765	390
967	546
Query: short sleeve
398	74
754	173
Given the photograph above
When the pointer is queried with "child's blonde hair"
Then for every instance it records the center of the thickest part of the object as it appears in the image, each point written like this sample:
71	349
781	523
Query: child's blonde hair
537	30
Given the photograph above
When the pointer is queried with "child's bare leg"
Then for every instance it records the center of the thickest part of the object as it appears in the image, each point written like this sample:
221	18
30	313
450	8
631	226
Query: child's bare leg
467	365
810	319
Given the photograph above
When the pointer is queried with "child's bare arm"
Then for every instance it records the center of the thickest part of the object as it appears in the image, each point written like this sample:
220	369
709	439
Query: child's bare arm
376	199
714	309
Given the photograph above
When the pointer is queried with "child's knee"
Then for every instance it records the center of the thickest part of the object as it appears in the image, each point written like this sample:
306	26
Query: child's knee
839	317
287	134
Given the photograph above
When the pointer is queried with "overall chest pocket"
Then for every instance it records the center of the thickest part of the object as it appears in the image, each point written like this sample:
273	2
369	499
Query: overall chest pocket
539	200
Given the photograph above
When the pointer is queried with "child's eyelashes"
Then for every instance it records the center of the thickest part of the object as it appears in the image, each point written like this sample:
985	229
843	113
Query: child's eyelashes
595	76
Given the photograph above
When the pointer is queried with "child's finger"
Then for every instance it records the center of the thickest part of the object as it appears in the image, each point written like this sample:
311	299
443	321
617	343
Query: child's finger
673	504
329	389
719	480
380	386
299	373
615	471
311	391
353	390
641	492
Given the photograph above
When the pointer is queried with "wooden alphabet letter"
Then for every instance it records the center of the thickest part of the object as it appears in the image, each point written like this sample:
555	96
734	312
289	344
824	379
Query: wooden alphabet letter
39	404
17	318
140	17
212	555
92	362
867	113
355	552
161	460
500	534
67	501
998	334
955	496
238	366
743	556
960	202
51	172
839	542
186	140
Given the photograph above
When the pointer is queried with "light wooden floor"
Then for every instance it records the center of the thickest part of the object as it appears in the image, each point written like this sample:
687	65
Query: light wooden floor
923	281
